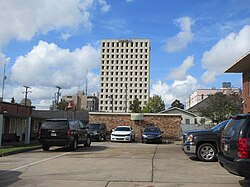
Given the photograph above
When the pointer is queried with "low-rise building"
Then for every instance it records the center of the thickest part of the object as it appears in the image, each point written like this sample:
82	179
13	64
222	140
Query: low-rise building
201	94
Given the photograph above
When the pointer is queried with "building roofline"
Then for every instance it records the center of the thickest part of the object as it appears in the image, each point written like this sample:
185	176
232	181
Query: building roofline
176	108
125	114
241	65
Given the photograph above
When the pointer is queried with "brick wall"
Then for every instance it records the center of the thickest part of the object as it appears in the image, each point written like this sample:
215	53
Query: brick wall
246	98
168	123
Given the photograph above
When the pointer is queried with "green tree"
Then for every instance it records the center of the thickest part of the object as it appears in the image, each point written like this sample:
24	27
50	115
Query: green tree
154	105
135	106
177	104
62	105
221	106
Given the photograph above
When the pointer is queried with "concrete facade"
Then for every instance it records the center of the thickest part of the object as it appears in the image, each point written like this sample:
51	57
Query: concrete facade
124	74
168	123
79	100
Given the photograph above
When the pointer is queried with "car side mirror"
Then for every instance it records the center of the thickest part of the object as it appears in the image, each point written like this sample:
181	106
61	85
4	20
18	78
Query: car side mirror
161	132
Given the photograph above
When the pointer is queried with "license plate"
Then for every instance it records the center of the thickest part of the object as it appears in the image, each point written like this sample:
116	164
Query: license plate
53	134
226	147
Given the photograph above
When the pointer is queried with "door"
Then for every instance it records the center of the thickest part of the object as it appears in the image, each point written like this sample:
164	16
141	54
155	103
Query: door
82	132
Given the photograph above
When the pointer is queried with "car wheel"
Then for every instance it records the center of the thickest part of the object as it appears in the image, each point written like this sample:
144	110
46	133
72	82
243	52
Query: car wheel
104	137
74	145
206	152
99	138
88	142
45	147
142	140
160	141
131	139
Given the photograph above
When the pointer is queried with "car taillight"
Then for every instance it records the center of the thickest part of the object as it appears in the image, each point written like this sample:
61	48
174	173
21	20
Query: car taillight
242	148
68	133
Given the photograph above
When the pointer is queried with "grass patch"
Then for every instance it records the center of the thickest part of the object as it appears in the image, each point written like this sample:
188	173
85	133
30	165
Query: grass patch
12	149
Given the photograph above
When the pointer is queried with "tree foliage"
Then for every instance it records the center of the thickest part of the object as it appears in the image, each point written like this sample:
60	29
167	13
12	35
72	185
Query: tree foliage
62	105
177	104
221	106
154	105
135	106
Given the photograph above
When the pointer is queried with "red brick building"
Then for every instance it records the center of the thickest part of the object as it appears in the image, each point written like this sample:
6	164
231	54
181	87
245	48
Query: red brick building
243	66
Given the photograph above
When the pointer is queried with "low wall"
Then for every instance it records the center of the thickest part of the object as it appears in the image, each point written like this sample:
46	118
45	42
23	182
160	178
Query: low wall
168	123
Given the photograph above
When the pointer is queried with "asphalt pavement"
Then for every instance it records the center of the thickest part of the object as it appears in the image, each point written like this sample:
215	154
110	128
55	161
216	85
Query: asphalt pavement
108	164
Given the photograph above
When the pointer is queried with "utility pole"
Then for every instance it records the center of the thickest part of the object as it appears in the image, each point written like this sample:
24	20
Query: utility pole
58	94
26	94
4	78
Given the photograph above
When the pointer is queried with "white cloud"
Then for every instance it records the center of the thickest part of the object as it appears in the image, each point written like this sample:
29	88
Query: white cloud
183	38
25	18
104	6
48	65
225	53
179	73
177	90
65	36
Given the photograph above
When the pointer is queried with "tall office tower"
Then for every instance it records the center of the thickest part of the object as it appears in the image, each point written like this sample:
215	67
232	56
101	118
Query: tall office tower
125	69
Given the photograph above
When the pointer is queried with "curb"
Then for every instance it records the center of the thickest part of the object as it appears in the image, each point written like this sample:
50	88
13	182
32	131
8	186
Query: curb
20	151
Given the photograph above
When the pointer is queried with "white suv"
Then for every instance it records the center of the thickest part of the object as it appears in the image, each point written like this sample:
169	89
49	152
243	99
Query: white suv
123	133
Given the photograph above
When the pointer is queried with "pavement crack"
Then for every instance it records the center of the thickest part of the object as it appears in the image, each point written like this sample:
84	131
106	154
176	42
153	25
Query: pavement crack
107	184
152	172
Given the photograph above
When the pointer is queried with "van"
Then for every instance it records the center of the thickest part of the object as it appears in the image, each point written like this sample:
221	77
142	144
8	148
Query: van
63	132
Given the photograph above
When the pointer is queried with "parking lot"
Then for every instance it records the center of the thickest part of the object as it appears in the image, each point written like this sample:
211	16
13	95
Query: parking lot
107	164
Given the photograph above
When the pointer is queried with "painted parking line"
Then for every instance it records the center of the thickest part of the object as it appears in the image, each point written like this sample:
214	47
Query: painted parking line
34	163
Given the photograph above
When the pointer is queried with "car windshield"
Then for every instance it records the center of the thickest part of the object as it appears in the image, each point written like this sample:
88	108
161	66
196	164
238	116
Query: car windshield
55	125
152	129
122	129
220	126
94	126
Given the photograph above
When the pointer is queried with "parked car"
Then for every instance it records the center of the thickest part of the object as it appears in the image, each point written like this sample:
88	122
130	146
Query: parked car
98	131
123	133
151	134
235	146
63	132
203	144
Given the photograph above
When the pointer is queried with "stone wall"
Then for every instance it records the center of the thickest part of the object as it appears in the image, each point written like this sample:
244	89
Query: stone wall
168	123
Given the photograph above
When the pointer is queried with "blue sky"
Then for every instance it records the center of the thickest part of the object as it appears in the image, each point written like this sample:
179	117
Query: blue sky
49	43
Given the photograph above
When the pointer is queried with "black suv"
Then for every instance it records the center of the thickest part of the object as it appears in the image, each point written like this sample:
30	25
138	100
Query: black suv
235	146
98	131
63	132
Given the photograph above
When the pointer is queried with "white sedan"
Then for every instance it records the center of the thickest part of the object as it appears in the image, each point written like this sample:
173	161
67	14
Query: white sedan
123	133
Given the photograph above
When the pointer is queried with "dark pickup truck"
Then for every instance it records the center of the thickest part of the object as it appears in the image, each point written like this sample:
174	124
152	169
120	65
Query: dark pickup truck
203	144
